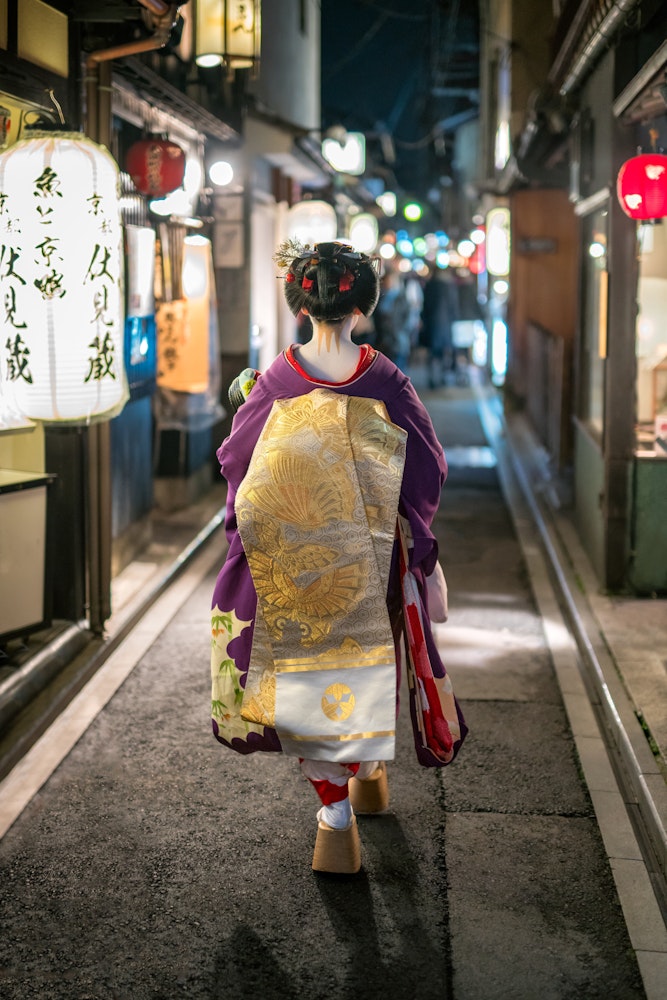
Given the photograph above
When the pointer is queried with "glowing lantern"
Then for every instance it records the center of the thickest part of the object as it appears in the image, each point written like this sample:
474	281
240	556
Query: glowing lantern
498	241
477	261
641	186
140	337
183	326
227	31
312	222
61	328
364	232
156	166
347	157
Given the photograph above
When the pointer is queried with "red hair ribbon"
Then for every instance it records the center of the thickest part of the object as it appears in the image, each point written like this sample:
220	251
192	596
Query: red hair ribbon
346	281
307	284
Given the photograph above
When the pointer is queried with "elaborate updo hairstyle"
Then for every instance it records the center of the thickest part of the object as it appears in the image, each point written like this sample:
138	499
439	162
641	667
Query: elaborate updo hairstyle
329	281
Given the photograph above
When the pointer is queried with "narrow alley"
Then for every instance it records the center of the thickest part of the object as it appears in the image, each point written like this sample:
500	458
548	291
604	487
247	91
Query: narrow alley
148	862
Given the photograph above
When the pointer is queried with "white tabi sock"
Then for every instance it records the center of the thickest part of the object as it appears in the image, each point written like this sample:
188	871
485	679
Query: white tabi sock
366	768
338	815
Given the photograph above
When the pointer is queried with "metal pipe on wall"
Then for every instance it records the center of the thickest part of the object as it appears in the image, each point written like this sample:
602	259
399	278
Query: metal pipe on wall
600	37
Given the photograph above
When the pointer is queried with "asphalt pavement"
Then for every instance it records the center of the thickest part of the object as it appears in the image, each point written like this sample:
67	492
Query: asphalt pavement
145	861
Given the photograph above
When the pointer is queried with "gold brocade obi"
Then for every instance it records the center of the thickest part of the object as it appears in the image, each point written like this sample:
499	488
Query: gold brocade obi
317	516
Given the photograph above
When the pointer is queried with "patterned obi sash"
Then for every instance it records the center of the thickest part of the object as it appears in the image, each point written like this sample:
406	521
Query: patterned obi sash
317	517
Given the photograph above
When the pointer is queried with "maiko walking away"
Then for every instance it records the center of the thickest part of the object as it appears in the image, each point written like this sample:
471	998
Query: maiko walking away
334	476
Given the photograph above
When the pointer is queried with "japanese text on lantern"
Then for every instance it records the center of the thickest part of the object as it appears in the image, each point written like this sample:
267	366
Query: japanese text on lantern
61	304
169	324
50	280
241	16
17	356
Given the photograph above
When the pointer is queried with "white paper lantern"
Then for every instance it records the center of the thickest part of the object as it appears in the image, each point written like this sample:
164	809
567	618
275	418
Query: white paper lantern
364	232
312	222
61	321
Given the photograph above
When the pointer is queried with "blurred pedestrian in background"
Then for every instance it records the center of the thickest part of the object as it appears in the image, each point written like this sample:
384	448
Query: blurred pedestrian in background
466	325
414	292
440	310
392	320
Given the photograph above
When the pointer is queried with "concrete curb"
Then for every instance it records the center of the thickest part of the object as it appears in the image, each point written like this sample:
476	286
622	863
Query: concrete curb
31	677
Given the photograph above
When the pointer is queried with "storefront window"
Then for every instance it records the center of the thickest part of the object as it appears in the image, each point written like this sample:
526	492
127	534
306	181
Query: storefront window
651	339
594	321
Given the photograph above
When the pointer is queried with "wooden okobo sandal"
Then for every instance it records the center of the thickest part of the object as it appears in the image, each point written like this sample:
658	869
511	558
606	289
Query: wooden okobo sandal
337	851
370	795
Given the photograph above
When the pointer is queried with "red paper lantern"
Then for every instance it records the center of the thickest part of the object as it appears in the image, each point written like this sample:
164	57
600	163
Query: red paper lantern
477	261
156	166
641	186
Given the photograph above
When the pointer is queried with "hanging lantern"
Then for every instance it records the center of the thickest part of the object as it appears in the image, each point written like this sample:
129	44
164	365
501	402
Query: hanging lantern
477	260
641	186
498	241
228	31
140	336
156	166
363	231
61	325
183	326
312	222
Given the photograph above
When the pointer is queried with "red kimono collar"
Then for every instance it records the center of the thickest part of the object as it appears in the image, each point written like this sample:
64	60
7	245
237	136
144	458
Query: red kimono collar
366	359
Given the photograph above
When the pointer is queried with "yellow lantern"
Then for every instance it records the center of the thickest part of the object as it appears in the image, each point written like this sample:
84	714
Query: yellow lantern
183	337
227	31
61	315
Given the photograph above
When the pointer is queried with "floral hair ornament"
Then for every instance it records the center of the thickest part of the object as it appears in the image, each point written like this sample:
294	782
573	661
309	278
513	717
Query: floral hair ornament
290	250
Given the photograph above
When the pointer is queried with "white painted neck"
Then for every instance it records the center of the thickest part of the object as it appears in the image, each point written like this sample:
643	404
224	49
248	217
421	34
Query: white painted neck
330	354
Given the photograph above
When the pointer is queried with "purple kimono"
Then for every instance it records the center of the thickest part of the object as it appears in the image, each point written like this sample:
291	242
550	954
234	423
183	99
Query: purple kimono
234	598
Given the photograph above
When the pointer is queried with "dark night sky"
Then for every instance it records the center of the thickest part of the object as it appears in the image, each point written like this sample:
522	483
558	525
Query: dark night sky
380	62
